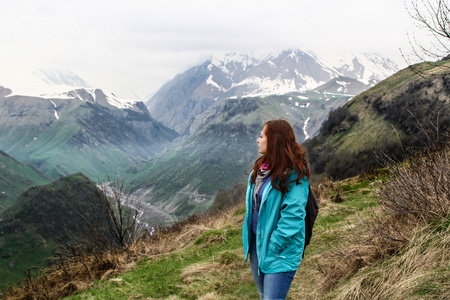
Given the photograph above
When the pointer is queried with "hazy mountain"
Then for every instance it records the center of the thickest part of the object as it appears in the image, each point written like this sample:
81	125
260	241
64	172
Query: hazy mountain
82	130
61	78
42	81
240	75
15	178
402	111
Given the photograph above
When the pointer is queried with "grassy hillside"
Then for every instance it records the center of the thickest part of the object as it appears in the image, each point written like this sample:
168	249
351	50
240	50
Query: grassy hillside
397	113
16	178
361	248
206	259
42	219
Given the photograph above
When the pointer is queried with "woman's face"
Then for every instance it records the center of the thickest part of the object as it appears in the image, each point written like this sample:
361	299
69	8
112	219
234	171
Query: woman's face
262	141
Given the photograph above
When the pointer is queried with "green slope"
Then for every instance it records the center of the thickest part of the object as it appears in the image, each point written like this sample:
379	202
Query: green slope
399	112
40	220
15	178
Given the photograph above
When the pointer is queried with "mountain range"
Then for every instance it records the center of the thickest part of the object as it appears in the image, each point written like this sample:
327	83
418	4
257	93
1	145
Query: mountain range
211	111
81	130
243	75
221	147
398	112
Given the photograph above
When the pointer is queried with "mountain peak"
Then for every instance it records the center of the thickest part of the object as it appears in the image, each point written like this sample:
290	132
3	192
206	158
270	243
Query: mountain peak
246	74
229	62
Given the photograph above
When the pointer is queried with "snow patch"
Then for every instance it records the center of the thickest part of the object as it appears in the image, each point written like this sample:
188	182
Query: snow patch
210	81
55	112
263	86
305	128
112	99
118	102
229	62
342	89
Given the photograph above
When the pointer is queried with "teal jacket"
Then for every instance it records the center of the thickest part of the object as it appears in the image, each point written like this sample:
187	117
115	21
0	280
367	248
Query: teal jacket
280	234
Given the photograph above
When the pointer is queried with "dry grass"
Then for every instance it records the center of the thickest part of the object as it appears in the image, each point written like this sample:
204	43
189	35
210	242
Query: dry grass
416	196
79	271
403	277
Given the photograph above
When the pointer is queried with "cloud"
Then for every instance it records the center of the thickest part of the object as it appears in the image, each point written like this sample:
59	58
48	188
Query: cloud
144	43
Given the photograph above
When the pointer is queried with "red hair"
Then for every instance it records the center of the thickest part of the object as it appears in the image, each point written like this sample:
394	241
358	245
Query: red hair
283	154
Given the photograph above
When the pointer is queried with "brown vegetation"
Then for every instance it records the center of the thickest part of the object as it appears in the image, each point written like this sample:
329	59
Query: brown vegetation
415	210
79	271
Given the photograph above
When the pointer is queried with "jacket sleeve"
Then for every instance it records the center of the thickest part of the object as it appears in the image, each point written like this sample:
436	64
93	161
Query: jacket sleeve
292	216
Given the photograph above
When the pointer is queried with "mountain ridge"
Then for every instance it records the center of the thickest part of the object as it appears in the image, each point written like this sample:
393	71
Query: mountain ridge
82	130
241	75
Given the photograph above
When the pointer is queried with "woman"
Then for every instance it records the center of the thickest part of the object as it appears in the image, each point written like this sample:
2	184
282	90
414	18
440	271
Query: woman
274	228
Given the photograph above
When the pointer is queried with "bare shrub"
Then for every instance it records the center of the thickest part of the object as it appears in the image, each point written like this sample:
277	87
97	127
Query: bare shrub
322	188
225	199
121	210
419	189
416	195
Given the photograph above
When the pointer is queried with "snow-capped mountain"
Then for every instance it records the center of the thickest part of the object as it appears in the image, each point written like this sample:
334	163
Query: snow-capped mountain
95	95
241	75
365	67
84	130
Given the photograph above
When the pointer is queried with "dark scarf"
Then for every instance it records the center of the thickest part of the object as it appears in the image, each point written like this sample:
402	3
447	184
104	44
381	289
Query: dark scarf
263	172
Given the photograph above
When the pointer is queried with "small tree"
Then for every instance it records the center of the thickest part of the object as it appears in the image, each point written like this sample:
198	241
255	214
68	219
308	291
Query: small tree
121	210
433	17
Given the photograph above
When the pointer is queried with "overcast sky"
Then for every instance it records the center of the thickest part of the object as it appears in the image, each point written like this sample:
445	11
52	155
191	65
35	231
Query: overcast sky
141	44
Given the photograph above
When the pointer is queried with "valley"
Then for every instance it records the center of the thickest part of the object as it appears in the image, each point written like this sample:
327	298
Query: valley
193	139
222	147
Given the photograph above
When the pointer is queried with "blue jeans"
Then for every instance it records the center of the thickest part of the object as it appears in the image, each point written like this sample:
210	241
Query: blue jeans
270	286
